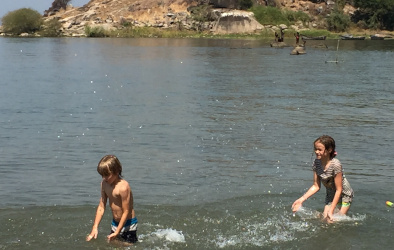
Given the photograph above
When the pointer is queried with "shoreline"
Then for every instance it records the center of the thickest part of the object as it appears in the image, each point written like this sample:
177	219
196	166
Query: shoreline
160	33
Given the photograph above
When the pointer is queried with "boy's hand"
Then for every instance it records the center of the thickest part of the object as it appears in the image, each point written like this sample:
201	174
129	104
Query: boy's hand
92	235
112	236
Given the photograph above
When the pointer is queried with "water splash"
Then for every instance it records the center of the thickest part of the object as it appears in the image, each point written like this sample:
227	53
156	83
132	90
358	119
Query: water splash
354	218
307	213
170	235
258	232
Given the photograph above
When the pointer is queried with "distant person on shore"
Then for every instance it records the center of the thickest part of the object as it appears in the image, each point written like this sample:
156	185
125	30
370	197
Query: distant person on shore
115	189
282	35
328	170
297	36
279	38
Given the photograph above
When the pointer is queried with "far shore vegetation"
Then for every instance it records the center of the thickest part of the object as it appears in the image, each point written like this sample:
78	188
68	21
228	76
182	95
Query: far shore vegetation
366	21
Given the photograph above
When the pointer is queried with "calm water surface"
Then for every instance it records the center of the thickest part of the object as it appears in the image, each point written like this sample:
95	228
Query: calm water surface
215	138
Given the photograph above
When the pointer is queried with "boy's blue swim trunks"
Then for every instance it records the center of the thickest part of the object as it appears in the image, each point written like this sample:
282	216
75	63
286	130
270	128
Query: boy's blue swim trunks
129	230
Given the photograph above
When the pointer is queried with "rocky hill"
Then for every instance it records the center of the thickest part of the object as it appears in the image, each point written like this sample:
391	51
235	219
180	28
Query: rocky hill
222	16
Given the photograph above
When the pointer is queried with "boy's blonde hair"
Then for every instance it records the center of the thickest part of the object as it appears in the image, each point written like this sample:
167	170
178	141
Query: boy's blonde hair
109	164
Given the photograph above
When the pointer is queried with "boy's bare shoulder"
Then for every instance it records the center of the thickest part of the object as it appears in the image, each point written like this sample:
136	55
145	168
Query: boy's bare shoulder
124	185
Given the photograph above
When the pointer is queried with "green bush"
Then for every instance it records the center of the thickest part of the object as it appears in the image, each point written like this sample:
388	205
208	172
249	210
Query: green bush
317	32
96	31
275	16
269	15
137	32
201	13
51	28
295	16
362	24
245	4
338	21
23	20
376	14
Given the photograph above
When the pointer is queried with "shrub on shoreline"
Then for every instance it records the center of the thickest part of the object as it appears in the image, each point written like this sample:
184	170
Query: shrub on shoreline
269	15
96	31
23	20
51	28
275	16
338	21
17	22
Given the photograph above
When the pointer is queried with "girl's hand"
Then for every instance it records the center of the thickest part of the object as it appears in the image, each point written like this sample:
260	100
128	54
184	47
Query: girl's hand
329	219
296	205
330	216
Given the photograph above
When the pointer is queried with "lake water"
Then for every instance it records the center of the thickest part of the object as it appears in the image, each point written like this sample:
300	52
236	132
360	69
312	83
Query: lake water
215	137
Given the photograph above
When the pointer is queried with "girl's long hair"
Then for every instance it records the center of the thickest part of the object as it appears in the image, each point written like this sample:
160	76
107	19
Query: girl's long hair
329	143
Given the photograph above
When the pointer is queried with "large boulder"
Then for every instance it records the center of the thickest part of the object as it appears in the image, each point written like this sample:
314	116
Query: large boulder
236	21
298	50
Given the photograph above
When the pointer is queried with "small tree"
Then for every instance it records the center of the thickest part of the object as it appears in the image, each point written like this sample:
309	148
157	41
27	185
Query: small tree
201	14
245	4
97	31
23	20
338	21
269	15
56	6
60	4
376	14
52	28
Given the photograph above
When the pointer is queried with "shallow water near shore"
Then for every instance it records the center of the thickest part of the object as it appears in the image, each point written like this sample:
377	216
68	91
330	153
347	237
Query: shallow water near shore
215	138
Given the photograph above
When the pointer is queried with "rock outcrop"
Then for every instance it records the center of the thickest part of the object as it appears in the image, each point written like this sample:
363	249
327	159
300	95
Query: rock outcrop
222	19
298	50
236	21
112	14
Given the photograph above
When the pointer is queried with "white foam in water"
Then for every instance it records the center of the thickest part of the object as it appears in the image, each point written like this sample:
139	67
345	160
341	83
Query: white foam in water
339	217
170	235
257	232
307	213
342	217
223	242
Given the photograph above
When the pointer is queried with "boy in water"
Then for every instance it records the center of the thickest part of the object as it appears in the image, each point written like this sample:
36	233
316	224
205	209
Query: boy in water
115	189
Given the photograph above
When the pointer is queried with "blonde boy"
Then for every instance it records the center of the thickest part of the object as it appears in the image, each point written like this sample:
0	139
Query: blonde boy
115	189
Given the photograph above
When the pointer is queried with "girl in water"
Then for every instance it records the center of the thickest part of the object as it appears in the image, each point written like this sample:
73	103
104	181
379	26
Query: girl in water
328	170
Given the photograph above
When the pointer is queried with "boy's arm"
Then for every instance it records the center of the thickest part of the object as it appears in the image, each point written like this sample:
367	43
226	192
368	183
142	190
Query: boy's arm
125	194
99	215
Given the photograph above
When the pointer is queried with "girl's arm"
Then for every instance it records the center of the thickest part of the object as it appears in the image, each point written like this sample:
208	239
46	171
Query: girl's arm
311	191
99	215
338	193
125	194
